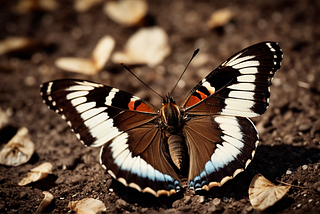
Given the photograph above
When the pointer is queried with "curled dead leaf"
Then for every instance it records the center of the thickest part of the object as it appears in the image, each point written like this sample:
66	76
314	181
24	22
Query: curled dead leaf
127	13
219	18
87	206
18	150
147	46
37	174
263	193
48	197
93	65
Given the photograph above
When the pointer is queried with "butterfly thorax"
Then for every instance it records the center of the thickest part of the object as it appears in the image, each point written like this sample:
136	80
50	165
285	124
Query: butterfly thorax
171	117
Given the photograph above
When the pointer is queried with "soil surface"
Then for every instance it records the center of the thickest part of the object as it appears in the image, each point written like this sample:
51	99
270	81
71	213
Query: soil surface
289	150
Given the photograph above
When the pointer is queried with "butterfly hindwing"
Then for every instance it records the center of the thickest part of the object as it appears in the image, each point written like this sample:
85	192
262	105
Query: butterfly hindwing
124	125
220	147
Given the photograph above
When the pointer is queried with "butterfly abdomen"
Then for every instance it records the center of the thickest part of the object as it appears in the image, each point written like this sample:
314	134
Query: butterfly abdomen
177	151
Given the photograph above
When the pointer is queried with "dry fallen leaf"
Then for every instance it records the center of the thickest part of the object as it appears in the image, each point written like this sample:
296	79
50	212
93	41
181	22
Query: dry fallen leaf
73	64
263	193
147	46
90	66
18	44
18	150
48	197
26	6
127	13
87	206
219	18
85	5
37	174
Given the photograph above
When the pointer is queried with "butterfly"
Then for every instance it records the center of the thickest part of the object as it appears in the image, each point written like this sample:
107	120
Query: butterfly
208	139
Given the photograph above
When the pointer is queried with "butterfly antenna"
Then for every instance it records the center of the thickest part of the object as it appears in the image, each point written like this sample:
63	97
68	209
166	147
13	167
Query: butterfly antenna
128	69
196	51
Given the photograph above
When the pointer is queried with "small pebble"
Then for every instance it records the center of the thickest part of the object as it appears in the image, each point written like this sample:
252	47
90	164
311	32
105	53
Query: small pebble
249	208
144	209
288	172
60	180
176	204
304	167
23	194
121	204
108	182
216	201
316	186
76	179
212	209
304	127
201	199
187	200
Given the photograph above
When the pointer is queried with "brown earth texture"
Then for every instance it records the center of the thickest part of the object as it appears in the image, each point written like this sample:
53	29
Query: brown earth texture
289	149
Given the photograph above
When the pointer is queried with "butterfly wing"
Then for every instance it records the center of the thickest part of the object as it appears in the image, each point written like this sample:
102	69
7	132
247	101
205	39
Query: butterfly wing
127	127
220	138
220	147
239	86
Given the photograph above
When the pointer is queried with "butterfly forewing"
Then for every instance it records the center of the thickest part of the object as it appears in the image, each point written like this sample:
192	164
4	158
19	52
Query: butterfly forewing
240	85
124	125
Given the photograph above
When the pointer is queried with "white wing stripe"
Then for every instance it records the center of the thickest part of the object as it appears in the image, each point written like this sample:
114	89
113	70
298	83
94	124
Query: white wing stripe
246	78
110	96
249	70
80	88
78	101
251	63
233	141
92	112
96	120
76	94
242	95
239	60
85	106
243	86
112	133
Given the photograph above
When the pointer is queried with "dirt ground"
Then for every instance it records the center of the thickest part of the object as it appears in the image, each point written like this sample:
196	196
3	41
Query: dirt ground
290	129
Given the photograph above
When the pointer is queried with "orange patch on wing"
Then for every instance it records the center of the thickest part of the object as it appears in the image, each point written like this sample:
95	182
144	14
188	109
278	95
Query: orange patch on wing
141	107
144	107
193	100
131	105
202	95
